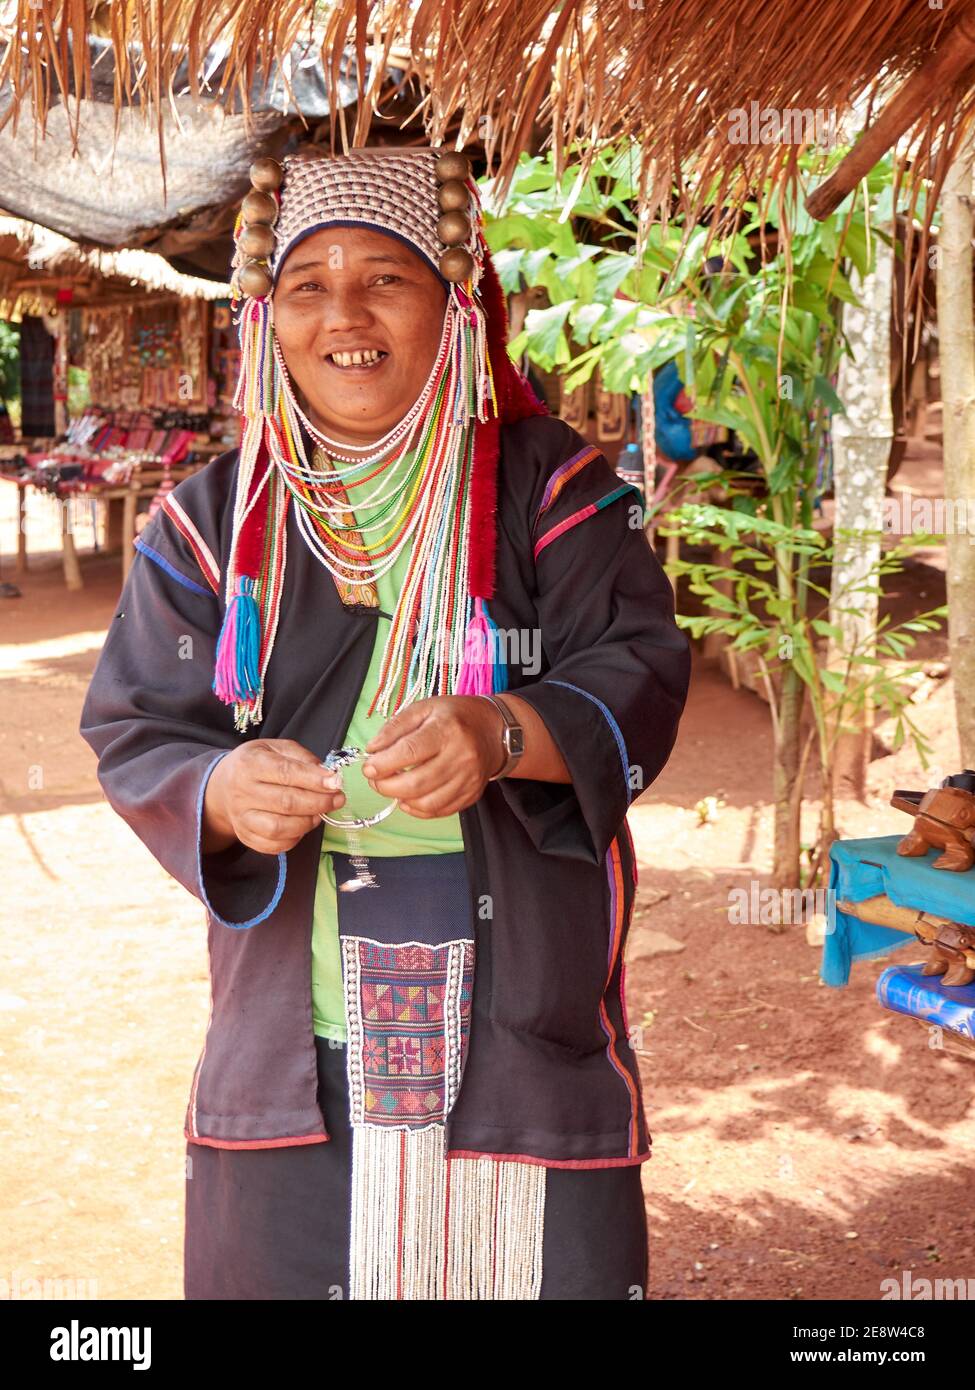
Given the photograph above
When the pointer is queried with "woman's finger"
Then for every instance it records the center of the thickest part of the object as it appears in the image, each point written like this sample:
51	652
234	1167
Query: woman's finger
264	846
412	749
289	748
400	723
279	769
294	801
444	800
417	782
455	759
270	826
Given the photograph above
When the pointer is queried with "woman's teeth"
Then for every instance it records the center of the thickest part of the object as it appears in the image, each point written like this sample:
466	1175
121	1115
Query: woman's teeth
363	357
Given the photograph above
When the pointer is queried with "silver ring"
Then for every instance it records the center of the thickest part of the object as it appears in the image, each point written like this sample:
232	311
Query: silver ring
361	822
343	757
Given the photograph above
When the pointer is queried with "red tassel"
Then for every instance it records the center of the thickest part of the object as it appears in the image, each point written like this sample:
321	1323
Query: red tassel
516	401
483	518
250	545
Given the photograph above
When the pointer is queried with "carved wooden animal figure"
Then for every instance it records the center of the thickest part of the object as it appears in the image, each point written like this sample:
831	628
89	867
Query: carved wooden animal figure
944	819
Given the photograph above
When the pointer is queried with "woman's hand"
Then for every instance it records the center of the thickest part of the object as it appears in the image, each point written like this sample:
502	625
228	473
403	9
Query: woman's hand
268	794
451	745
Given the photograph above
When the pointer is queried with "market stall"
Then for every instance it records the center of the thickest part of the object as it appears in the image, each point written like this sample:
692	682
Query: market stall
152	358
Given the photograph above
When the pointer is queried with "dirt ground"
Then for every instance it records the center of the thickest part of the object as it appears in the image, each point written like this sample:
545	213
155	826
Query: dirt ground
806	1144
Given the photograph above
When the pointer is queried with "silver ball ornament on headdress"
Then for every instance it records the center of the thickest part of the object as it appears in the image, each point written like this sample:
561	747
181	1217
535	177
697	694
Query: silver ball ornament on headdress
259	210
262	208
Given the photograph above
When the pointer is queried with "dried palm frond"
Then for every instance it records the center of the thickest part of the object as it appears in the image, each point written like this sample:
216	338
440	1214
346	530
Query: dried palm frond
522	73
29	251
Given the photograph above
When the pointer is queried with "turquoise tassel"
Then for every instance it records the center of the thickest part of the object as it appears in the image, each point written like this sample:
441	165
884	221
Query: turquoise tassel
499	670
237	676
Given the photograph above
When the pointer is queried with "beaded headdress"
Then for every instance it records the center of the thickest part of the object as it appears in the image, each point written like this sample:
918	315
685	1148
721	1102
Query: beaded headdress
441	639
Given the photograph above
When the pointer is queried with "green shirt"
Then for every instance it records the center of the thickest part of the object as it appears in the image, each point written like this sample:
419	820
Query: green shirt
398	834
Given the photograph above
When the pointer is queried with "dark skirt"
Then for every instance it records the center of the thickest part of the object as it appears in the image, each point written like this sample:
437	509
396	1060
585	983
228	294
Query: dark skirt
274	1223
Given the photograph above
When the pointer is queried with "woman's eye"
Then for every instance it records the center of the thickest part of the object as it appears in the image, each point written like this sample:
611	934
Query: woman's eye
388	279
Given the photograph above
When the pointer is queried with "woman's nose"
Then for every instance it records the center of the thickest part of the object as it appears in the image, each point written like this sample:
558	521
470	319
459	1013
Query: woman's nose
342	308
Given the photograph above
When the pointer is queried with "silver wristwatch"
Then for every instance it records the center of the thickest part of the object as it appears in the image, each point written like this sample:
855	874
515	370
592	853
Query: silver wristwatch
512	738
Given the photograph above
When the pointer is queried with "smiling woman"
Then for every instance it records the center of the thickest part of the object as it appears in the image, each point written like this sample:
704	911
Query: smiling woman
424	1089
360	320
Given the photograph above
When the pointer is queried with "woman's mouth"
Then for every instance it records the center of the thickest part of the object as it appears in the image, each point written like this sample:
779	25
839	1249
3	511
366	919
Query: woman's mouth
361	358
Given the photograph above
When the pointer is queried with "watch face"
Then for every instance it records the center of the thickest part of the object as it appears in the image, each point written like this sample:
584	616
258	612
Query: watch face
515	740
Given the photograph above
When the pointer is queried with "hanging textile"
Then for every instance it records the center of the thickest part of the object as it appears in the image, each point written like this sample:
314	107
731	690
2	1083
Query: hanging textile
36	379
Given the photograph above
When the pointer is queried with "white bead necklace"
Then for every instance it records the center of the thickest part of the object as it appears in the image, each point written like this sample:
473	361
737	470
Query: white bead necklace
328	486
392	437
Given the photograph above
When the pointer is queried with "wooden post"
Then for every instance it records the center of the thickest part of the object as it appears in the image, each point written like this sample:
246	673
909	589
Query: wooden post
956	338
21	564
61	376
128	530
69	556
862	437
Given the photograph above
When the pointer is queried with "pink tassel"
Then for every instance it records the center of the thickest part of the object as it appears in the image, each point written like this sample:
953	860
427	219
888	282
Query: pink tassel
237	676
225	670
482	671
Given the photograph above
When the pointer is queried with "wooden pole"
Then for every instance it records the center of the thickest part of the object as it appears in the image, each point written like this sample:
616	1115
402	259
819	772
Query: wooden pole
956	342
862	437
21	564
69	556
128	530
924	89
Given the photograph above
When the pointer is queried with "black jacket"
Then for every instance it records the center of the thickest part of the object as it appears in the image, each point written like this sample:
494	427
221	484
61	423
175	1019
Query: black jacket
550	1075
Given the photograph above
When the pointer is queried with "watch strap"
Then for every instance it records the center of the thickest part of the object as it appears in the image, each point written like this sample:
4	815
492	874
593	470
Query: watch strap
511	733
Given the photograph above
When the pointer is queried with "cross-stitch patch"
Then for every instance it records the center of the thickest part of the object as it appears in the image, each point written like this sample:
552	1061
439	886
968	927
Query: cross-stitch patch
408	1011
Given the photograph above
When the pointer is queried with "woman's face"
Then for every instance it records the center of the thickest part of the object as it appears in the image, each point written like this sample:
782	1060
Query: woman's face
348	293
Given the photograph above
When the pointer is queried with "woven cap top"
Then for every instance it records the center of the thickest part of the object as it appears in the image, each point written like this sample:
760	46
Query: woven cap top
390	190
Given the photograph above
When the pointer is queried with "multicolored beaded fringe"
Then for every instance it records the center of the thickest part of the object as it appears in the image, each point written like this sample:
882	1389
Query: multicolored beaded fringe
254	583
425	1226
442	639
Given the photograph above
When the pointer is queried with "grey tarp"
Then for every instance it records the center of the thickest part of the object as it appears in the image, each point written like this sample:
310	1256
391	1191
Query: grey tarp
118	201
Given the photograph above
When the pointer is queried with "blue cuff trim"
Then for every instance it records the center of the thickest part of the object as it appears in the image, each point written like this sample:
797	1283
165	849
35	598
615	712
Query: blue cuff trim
173	573
617	731
282	863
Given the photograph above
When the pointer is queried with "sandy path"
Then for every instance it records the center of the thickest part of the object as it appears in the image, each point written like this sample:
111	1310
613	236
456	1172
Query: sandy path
805	1143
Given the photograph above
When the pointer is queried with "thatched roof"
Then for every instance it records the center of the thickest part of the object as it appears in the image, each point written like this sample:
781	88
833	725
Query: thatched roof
35	263
92	170
668	72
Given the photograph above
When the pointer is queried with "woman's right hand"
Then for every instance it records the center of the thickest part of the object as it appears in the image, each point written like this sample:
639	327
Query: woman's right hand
267	794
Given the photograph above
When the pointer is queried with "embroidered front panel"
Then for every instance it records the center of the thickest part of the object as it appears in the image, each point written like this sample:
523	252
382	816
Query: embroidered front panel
408	1010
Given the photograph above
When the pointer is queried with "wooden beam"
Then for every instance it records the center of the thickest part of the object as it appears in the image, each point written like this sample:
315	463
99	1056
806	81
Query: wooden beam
924	89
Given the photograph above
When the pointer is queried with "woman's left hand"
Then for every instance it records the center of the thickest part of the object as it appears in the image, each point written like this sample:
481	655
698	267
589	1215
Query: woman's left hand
451	745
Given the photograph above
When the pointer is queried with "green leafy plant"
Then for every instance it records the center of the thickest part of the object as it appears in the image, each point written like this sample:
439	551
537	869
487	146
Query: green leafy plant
750	309
740	590
9	362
